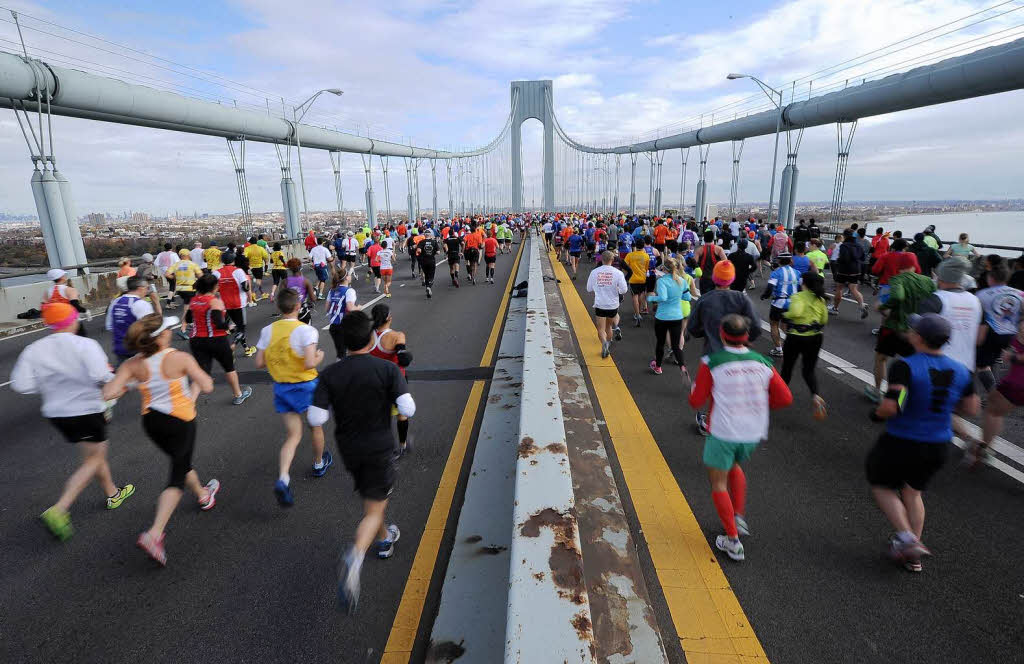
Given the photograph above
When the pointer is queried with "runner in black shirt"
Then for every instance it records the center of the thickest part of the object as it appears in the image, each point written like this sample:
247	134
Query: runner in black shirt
427	252
453	245
361	390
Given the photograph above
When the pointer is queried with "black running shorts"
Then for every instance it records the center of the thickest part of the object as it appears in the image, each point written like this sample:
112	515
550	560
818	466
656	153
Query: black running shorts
91	428
374	473
894	462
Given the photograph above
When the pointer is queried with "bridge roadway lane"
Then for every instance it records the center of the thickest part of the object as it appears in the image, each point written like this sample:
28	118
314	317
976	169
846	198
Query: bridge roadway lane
815	585
249	581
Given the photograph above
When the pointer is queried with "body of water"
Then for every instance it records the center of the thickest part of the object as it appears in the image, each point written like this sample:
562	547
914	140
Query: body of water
1003	228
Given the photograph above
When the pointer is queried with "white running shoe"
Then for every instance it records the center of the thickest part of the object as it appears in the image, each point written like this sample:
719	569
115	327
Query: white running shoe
732	547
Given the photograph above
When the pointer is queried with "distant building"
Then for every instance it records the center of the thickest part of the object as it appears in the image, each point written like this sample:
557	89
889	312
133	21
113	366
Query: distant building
97	218
140	217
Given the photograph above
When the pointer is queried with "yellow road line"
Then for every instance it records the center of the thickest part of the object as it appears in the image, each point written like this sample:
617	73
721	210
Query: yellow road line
709	621
410	608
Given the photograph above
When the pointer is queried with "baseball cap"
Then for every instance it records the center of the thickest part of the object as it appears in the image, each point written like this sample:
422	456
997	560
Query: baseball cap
55	274
168	322
147	258
724	273
933	328
59	315
228	257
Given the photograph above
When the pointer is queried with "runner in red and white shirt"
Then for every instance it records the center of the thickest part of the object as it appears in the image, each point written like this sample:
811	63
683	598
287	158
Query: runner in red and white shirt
208	339
233	286
373	254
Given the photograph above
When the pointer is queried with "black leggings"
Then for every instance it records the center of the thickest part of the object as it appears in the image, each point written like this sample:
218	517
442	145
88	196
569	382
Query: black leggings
427	267
808	347
674	329
339	340
177	439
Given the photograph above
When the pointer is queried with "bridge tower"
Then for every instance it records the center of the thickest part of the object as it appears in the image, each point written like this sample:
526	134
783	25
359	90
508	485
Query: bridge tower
532	99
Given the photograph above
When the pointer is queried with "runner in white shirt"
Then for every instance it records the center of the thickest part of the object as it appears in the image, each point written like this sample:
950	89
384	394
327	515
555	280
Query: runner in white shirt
608	286
320	256
387	266
69	371
197	255
164	260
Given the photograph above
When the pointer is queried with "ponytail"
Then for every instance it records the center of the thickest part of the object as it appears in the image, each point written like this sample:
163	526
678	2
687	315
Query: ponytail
816	284
672	267
140	335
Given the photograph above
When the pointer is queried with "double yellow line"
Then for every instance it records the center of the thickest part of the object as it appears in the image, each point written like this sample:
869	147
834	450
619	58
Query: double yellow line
410	608
707	616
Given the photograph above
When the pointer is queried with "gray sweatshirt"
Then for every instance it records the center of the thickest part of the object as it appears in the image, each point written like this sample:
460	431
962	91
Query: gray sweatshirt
708	312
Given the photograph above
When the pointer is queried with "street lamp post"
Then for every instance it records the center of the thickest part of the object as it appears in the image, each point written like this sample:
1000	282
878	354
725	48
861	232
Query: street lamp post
297	118
770	92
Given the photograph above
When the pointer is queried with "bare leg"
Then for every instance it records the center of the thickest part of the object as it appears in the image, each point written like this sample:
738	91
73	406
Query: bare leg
94	464
891	504
232	377
776	338
855	291
915	509
293	436
372	524
195	486
317	433
996	410
165	505
879	370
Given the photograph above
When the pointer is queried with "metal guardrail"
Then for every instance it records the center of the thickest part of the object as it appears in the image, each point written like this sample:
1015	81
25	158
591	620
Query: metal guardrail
549	617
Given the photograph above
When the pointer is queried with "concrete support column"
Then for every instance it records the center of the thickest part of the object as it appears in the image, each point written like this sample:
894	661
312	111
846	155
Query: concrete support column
290	204
785	189
60	248
632	183
451	198
371	207
433	182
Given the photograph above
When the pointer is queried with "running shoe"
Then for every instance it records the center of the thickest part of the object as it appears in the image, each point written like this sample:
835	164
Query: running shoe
240	399
58	522
456	282
605	349
249	351
617	334
265	297
775	352
655	368
636	320
875	331
213	486
741	525
181	335
284	494
864	312
386	548
832	311
702	423
154	548
874	395
328	461
113	502
820	410
387	294
732	547
348	582
430	293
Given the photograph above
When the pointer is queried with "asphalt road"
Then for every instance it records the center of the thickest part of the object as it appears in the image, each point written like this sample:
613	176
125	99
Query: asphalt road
248	581
815	584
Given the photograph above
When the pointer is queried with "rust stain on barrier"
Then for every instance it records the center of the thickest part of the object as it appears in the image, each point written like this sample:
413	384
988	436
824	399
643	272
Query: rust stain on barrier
527	448
581	623
565	561
556	448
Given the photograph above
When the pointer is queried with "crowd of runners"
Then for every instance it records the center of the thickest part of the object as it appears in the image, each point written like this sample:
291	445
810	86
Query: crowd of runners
947	330
214	287
944	318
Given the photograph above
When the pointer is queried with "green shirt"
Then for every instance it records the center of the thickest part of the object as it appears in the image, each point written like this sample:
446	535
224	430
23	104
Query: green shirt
806	308
906	291
819	258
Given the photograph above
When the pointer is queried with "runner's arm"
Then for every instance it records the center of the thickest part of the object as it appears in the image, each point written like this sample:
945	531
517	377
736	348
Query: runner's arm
701	391
779	395
200	380
23	378
319	411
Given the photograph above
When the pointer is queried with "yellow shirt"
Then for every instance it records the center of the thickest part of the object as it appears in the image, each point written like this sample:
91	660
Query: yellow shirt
360	238
212	258
277	260
185	273
638	262
256	255
282	362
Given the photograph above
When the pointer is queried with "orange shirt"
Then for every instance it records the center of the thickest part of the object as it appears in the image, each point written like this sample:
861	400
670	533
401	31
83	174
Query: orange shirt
660	234
473	240
402	229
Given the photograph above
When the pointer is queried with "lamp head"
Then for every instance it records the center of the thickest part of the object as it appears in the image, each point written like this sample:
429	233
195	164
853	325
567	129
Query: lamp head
335	91
733	77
